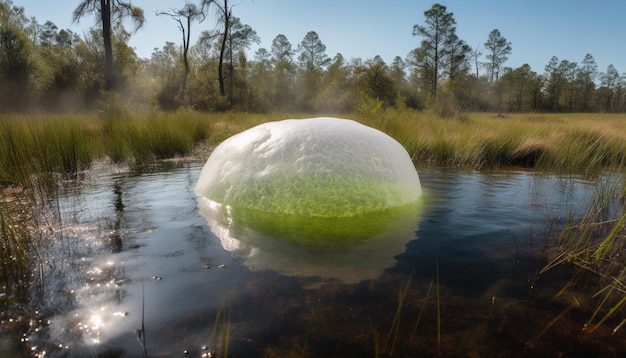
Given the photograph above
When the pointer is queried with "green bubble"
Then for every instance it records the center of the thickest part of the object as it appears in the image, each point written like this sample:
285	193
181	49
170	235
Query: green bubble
325	233
317	195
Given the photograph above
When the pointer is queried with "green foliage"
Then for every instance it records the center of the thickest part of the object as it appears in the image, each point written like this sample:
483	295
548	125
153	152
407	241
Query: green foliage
368	107
445	106
439	48
20	68
44	68
499	49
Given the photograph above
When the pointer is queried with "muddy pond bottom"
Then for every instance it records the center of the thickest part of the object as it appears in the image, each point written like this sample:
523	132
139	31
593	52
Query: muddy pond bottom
137	272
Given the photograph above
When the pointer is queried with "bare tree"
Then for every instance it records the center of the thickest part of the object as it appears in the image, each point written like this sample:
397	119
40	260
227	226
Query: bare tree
184	17
107	11
475	56
224	13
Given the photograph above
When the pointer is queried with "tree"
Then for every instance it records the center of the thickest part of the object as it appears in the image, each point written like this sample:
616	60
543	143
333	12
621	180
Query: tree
90	59
224	13
261	77
312	52
47	33
282	50
163	69
519	85
336	94
456	56
20	70
57	49
587	73
284	68
312	59
499	49
203	86
568	70
475	53
554	82
398	76
376	81
430	57
108	12
612	84
185	17
239	37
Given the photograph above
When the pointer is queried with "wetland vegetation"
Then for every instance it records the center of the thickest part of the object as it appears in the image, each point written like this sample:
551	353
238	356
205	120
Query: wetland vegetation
56	152
138	116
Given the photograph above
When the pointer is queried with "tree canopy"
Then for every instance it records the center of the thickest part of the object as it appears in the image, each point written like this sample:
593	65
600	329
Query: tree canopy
43	67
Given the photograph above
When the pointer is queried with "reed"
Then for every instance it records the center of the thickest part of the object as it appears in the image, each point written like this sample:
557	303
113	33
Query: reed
421	310
34	148
220	334
392	336
147	138
39	152
582	143
13	256
35	157
594	247
573	143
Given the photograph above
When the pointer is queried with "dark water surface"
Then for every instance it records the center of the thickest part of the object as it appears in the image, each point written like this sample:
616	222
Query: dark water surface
137	272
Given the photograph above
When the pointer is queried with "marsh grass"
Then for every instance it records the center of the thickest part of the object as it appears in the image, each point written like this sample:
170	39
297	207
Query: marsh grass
13	256
21	262
220	334
146	139
594	248
580	143
392	336
39	153
398	336
566	143
33	152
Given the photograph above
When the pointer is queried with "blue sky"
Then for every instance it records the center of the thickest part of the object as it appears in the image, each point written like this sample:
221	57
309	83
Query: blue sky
537	29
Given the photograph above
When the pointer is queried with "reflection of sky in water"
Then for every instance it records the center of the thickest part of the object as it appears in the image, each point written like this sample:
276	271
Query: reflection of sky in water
474	223
171	267
130	244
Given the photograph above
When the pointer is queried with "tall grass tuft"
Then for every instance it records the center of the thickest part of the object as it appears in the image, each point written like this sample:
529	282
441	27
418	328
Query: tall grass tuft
147	138
594	246
34	149
38	154
568	143
14	254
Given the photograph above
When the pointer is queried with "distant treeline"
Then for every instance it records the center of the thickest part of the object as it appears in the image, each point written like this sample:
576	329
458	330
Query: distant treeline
44	68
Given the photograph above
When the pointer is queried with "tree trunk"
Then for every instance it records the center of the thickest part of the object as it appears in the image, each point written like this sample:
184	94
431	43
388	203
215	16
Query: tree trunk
435	81
220	67
183	90
108	48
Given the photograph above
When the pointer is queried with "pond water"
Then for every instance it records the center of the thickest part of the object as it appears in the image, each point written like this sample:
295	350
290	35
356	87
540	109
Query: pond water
135	271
